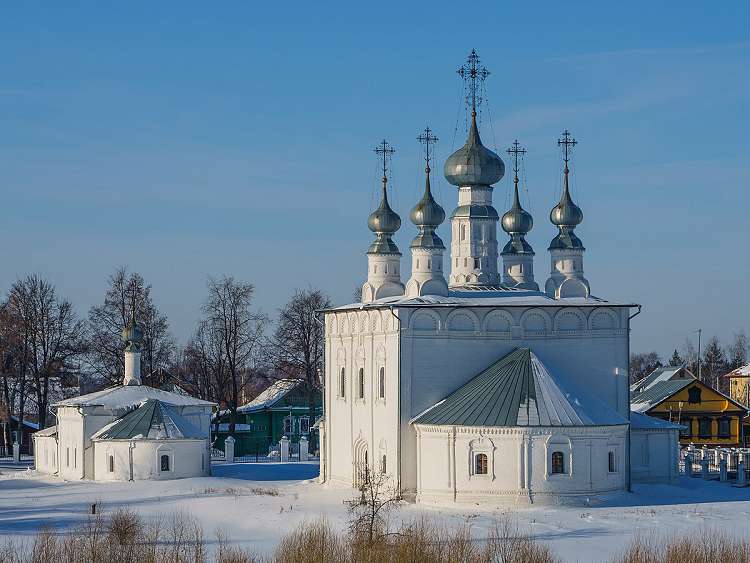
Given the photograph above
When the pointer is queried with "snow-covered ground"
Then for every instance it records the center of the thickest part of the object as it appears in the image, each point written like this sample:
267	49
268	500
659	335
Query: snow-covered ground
255	520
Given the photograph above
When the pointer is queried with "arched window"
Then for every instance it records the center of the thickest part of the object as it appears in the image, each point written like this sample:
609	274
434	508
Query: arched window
164	462
385	268
558	463
111	463
342	383
611	462
480	464
463	232
382	464
417	263
381	383
361	383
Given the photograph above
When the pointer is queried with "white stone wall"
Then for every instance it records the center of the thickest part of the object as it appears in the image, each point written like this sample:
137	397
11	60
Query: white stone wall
45	454
566	274
519	463
654	454
383	277
439	350
188	458
366	340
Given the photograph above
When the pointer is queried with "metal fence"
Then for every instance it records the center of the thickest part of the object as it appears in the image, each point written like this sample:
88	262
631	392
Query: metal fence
261	452
724	464
6	452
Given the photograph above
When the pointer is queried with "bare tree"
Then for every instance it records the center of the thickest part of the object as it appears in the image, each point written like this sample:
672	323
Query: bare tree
369	510
127	292
49	338
714	363
229	338
643	364
690	356
737	351
298	345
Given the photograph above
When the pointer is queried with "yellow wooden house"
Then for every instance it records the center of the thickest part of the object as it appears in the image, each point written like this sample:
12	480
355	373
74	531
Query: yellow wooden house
739	384
708	416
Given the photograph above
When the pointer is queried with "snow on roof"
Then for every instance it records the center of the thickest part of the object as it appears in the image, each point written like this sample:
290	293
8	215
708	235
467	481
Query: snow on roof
640	421
659	375
495	296
742	371
124	396
28	423
51	431
272	394
153	420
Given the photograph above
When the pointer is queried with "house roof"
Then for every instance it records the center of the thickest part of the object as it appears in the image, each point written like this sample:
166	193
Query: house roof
742	371
154	420
665	373
518	390
32	425
658	392
639	421
124	396
270	396
51	431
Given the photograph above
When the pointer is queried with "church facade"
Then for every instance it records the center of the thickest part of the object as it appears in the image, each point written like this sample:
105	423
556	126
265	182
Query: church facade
472	384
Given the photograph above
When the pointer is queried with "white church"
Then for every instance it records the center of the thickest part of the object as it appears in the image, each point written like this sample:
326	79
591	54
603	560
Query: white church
473	385
130	432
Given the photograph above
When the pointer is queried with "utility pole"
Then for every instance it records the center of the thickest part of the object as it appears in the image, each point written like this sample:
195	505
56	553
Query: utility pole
699	331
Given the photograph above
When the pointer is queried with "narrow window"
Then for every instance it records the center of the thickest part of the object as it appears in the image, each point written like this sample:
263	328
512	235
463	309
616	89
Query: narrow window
164	462
111	463
417	263
288	425
476	263
558	463
382	464
67	457
304	425
612	465
361	383
724	428
480	464
75	457
381	383
463	232
375	269
342	383
429	264
385	268
466	262
704	427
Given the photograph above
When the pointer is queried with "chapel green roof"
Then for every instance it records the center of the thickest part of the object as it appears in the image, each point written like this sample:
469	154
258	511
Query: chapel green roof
153	419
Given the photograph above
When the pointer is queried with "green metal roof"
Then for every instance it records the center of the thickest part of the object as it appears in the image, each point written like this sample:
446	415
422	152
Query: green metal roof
153	419
518	390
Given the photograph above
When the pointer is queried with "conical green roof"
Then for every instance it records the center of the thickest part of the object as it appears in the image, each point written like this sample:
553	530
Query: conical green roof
153	419
518	390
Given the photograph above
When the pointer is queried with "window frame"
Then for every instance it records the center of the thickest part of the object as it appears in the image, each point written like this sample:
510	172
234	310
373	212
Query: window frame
557	463
306	420
724	420
612	462
381	383
342	383
481	464
705	420
361	384
165	456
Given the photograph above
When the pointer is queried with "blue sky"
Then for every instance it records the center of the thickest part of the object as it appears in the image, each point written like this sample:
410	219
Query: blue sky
195	139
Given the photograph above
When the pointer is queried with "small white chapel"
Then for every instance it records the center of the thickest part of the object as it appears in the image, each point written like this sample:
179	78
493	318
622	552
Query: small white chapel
473	385
130	432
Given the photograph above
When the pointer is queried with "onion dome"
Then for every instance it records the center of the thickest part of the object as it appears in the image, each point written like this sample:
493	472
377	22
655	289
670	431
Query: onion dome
132	334
566	215
474	164
384	222
427	215
517	219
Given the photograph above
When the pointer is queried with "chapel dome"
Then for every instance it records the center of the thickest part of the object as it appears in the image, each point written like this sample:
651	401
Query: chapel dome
474	164
517	219
427	212
384	219
566	213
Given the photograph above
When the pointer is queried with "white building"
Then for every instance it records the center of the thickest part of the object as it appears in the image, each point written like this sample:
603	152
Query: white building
473	390
129	432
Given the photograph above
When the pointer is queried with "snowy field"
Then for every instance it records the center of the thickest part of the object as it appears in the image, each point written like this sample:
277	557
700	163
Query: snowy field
255	520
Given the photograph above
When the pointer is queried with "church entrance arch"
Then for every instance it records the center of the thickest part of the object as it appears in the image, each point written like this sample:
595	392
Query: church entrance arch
361	464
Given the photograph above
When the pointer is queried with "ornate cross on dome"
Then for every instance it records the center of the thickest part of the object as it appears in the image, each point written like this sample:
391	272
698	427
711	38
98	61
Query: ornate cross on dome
473	74
514	151
426	138
384	151
567	142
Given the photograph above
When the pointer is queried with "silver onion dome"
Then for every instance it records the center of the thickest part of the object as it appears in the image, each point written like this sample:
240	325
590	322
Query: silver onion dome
384	219
474	164
517	219
427	215
566	213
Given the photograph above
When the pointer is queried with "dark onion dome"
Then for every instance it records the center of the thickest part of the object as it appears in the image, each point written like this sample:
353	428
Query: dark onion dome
517	219
427	215
384	221
132	334
474	164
